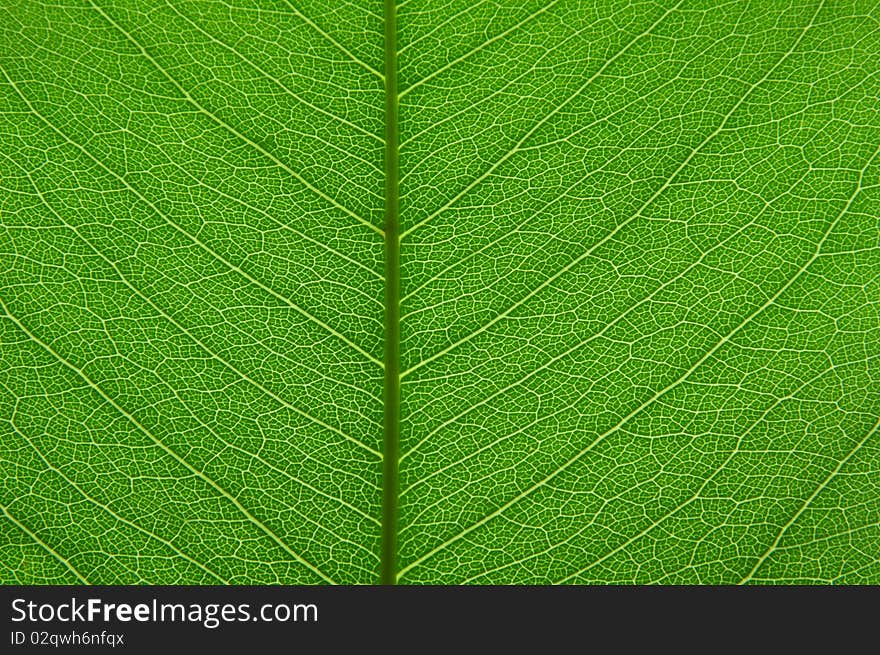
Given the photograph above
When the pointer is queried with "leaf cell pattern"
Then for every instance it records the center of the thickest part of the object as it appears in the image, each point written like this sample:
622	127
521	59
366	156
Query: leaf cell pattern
638	309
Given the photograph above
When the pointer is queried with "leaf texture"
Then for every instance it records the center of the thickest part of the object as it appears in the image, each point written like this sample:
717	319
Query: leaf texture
638	260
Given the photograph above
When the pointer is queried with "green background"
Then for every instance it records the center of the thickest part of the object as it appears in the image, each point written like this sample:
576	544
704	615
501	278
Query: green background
639	308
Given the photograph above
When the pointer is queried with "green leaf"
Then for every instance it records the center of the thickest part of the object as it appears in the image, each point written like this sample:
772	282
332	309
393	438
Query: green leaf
466	292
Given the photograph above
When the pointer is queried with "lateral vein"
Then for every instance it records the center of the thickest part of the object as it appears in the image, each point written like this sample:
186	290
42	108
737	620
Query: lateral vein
662	392
196	241
205	112
21	526
165	448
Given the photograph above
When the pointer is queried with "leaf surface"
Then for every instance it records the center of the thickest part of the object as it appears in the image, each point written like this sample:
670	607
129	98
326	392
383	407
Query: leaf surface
623	260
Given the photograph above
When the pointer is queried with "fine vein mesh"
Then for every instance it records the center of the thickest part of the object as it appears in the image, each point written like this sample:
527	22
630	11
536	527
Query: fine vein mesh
639	271
191	319
640	291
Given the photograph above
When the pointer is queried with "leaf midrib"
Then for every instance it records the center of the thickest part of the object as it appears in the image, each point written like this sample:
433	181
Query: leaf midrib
391	433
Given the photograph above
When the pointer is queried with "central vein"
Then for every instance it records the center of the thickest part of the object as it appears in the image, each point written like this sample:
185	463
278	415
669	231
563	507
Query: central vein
391	437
